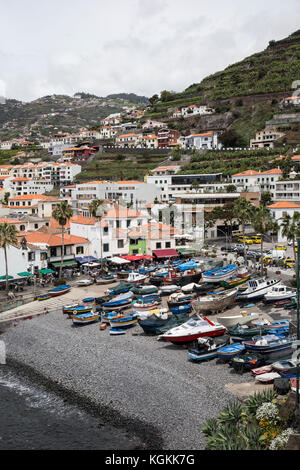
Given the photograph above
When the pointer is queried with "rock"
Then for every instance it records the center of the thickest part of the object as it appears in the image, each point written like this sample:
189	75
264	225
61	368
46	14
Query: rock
287	409
293	442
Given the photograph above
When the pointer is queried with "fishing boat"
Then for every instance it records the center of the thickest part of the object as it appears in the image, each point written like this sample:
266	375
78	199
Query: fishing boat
247	361
116	331
196	327
242	319
149	298
121	288
205	349
123	274
124	321
85	318
215	301
181	309
105	280
152	320
284	365
257	288
84	282
43	297
204	288
271	346
144	305
219	274
262	370
234	282
107	316
59	290
267	378
230	351
136	278
144	290
71	309
167	290
176	300
244	331
189	288
279	292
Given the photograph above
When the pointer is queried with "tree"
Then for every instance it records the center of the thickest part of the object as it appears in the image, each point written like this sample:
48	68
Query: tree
286	165
231	138
231	188
263	222
291	230
62	213
5	198
195	185
8	236
97	208
153	99
265	198
243	211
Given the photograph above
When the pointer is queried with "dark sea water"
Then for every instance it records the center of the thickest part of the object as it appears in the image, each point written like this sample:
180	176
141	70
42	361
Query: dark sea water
33	418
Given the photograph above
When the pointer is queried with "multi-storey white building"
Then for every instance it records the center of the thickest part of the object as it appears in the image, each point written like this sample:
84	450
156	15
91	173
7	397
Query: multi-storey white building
263	181
205	140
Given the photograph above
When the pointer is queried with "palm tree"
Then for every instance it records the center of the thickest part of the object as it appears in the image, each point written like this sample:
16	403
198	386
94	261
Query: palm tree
291	230
62	213
8	236
96	209
263	222
243	211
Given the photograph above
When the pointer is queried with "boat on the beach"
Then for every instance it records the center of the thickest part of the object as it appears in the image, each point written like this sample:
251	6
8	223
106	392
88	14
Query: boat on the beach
43	297
279	292
262	370
121	288
215	301
85	318
235	281
181	309
189	288
205	349
71	309
267	378
230	351
196	327
101	280
136	278
271	346
124	321
167	290
244	331
152	320
116	331
139	306
84	282
177	299
219	274
119	302
243	318
247	361
107	316
257	288
146	290
59	290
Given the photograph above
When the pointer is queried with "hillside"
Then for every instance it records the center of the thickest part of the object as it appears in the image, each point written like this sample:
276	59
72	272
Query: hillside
244	95
46	115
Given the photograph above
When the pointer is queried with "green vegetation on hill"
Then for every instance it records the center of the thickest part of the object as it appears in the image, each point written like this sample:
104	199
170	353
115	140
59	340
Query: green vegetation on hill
121	166
233	162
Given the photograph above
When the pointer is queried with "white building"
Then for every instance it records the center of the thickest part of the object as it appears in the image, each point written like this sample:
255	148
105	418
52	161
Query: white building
206	140
279	210
263	181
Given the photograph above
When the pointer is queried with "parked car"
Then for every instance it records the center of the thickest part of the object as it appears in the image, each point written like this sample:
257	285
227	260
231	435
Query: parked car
289	263
281	247
256	239
228	248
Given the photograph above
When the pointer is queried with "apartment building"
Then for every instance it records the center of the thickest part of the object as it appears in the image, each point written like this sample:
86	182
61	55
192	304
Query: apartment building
265	139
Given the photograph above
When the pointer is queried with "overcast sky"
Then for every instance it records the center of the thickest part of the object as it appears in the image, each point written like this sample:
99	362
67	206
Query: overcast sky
140	46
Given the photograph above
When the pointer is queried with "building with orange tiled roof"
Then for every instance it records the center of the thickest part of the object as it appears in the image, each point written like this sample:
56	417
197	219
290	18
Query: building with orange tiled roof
128	140
263	181
282	208
202	141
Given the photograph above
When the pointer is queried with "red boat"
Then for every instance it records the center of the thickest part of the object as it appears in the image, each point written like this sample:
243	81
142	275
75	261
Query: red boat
196	327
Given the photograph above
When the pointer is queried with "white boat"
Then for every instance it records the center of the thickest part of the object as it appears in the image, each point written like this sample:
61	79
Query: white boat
196	327
242	319
219	274
258	288
279	292
136	278
189	288
84	282
166	290
158	312
144	306
215	302
267	378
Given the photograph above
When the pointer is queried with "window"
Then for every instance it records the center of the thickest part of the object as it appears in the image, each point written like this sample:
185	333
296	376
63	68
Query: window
44	256
106	247
120	243
79	250
105	230
31	256
158	246
168	244
52	251
127	223
36	225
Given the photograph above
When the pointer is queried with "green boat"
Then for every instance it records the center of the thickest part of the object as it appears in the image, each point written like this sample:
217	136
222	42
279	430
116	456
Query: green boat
242	331
234	282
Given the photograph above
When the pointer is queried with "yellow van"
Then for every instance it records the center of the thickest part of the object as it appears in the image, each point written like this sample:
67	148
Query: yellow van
289	263
248	240
281	247
256	239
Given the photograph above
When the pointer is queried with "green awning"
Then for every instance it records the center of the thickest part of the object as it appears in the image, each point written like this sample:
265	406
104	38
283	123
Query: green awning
3	278
47	271
25	274
65	263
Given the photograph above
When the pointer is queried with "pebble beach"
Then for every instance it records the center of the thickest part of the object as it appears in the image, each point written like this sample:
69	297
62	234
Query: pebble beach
144	386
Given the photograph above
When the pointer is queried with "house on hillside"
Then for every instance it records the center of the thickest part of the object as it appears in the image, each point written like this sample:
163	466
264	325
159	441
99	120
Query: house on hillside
265	139
205	140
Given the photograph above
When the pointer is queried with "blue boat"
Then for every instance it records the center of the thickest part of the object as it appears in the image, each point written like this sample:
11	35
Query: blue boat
271	346
231	351
119	302
76	309
60	290
205	349
116	331
181	309
219	274
124	321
